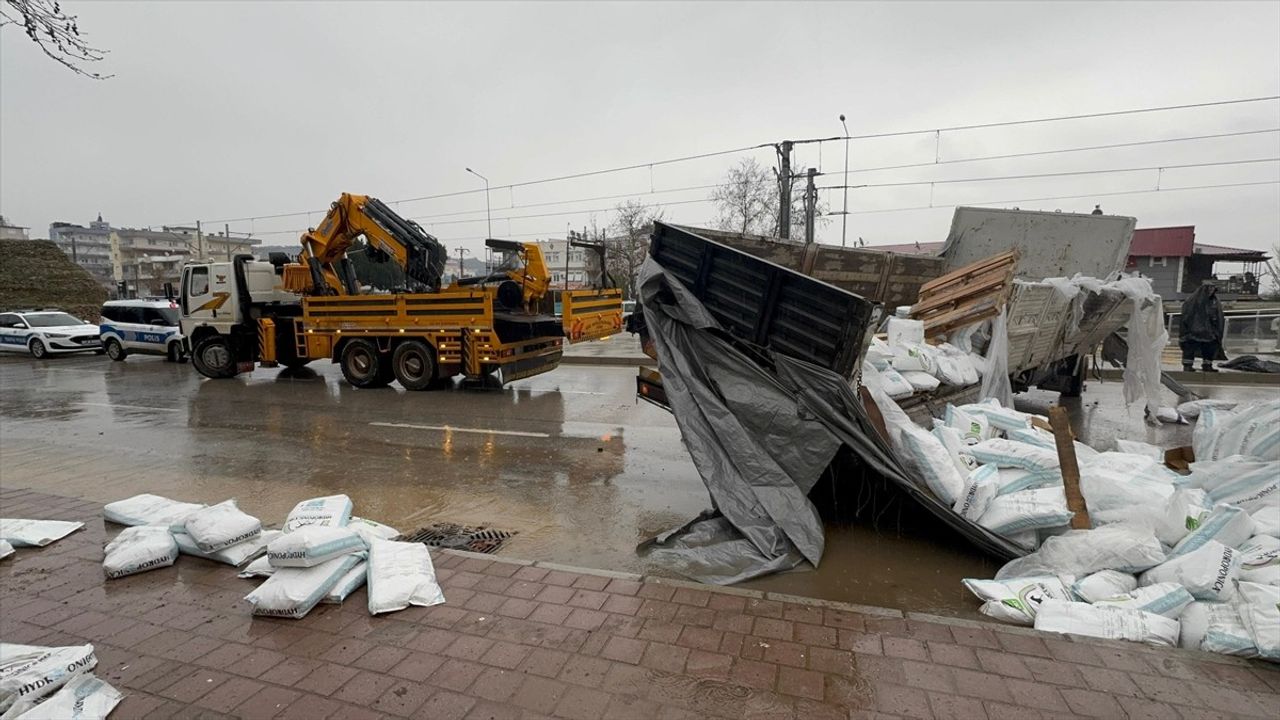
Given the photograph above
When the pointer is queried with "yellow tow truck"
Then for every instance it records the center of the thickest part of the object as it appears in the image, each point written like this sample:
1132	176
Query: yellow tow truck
286	312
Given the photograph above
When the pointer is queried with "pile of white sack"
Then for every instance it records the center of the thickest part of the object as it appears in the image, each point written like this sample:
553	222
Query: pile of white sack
322	553
16	532
1190	560
908	365
52	683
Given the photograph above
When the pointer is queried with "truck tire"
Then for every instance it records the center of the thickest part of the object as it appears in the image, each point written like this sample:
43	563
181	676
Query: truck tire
414	363
115	350
213	357
363	366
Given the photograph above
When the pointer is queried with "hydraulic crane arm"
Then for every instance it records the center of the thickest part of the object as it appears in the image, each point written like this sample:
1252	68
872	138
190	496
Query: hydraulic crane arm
389	237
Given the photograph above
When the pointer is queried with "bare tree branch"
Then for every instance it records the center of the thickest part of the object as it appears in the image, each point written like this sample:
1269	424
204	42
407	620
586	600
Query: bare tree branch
631	227
748	202
55	32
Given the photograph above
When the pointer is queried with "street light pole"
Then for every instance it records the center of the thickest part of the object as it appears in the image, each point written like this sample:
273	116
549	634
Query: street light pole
487	216
844	219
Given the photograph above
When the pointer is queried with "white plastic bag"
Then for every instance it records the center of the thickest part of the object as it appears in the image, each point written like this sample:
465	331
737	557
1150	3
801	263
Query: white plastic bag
956	447
995	367
1191	410
29	673
1106	621
219	526
1167	599
974	427
292	592
904	331
5	549
138	549
1207	572
1133	447
1259	608
1007	453
370	529
920	381
313	544
979	490
261	567
1104	584
1260	560
1027	510
400	575
236	555
1227	524
1016	600
328	511
146	509
84	697
347	584
1129	548
1183	512
35	533
931	461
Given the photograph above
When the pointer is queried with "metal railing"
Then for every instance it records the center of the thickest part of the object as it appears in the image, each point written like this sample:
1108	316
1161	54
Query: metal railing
1246	332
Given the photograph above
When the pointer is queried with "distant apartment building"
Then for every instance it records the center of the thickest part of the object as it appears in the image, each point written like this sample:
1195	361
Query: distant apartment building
571	267
144	259
12	232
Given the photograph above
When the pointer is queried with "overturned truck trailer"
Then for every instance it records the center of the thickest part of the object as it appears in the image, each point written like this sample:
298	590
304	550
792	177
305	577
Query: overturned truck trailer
757	362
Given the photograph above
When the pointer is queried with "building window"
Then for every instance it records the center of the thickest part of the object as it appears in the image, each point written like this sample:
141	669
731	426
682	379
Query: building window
1161	261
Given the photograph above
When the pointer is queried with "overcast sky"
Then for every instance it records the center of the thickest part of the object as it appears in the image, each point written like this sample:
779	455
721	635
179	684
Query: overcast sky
227	110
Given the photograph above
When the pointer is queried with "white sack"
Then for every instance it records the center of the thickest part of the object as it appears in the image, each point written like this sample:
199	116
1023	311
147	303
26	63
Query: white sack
84	697
1266	521
1027	510
980	489
1133	447
235	555
895	386
1253	430
914	357
5	549
1104	584
1227	524
1007	453
1012	480
138	549
328	511
347	584
1215	627
148	509
35	533
261	567
30	672
1106	621
1191	410
1183	512
878	354
1207	572
292	592
370	529
1260	560
973	427
1247	483
949	371
1167	599
905	331
222	525
1016	600
929	458
1129	548
1259	608
920	381
313	544
1168	416
400	575
1001	417
956	447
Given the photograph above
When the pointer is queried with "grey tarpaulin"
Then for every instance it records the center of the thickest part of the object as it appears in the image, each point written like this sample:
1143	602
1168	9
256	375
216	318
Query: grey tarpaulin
757	451
760	437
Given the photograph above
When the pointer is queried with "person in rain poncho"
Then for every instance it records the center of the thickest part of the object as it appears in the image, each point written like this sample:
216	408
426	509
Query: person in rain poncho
1201	327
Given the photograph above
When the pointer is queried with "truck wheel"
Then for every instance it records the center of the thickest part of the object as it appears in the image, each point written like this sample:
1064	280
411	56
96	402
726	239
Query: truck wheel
38	350
363	366
213	358
414	364
115	350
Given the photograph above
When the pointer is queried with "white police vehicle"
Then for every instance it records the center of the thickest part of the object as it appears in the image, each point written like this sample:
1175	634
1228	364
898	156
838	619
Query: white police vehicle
47	332
148	327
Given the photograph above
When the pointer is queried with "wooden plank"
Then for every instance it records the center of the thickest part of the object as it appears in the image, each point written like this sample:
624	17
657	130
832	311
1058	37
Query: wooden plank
1009	258
936	302
1065	441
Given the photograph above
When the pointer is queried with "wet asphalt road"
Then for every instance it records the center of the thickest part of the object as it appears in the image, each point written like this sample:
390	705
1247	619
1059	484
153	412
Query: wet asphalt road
569	460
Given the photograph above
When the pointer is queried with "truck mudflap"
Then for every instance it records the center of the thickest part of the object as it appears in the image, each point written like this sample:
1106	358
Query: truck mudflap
592	314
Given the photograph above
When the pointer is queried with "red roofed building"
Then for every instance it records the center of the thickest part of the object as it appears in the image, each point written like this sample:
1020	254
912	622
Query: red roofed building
1177	265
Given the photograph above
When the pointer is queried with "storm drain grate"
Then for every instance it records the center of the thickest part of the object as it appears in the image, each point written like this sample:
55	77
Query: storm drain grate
461	537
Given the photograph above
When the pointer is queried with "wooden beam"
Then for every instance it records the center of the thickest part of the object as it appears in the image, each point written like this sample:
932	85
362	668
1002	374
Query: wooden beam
1065	441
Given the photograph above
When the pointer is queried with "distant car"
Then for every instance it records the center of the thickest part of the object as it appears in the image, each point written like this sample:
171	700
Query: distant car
47	332
628	307
148	327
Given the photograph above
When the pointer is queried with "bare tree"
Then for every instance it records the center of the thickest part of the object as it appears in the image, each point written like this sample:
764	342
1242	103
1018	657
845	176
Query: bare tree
1271	272
748	202
632	225
56	32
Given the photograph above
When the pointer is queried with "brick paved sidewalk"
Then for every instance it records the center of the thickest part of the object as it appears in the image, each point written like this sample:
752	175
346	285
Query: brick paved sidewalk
519	640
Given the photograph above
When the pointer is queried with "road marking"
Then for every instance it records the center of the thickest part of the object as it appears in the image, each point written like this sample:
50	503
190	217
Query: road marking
450	428
130	407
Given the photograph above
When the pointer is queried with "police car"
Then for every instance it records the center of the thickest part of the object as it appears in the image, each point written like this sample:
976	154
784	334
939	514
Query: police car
47	332
148	327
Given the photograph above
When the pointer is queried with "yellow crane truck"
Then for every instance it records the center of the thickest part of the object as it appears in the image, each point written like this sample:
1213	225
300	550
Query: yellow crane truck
286	312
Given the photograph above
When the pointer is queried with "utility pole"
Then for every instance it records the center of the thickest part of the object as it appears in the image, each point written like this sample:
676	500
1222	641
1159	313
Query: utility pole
844	216
199	242
810	205
488	218
460	250
784	189
226	231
